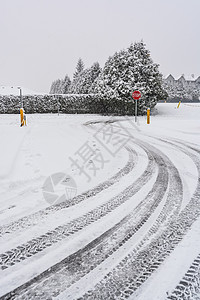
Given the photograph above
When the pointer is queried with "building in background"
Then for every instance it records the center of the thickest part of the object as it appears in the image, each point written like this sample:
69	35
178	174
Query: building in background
185	89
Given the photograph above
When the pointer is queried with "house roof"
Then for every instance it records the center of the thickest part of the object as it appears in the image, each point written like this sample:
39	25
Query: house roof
182	77
170	76
185	77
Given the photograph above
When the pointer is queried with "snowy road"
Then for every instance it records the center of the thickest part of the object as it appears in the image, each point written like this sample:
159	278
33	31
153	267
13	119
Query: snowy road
132	230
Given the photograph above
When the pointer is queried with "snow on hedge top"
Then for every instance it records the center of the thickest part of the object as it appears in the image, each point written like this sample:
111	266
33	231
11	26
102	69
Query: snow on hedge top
14	90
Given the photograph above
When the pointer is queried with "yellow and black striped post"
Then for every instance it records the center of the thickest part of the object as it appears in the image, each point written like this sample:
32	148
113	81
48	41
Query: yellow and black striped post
148	116
22	116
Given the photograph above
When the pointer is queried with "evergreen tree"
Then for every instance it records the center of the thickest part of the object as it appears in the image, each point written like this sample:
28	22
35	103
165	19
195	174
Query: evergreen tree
52	88
57	87
79	68
66	84
95	71
129	70
83	82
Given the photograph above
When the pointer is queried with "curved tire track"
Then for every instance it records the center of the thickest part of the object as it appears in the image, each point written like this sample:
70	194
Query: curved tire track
189	286
46	240
136	268
83	261
33	219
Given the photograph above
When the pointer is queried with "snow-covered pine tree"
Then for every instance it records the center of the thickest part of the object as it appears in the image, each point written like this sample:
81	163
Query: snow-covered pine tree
95	70
57	87
89	76
79	68
83	82
66	84
126	71
52	88
77	83
149	80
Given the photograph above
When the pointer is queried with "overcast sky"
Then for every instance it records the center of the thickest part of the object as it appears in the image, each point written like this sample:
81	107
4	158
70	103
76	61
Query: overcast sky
41	40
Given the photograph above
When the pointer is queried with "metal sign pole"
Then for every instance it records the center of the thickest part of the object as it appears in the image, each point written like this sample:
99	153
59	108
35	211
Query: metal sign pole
135	110
57	105
20	90
136	96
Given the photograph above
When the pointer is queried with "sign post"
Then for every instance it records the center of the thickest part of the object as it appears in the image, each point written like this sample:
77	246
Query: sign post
136	96
21	104
20	90
20	94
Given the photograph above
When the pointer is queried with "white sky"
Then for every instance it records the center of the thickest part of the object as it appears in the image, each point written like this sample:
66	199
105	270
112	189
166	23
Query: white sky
41	40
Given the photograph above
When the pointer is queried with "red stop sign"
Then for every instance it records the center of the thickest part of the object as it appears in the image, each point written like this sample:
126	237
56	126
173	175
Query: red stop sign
136	95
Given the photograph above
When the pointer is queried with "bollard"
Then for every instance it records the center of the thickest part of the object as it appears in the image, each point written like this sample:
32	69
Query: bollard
22	116
148	116
179	104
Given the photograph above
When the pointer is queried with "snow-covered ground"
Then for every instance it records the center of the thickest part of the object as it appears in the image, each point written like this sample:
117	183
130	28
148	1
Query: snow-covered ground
132	229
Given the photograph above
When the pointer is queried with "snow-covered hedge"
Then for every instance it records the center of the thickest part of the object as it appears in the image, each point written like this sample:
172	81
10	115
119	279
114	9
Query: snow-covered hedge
81	104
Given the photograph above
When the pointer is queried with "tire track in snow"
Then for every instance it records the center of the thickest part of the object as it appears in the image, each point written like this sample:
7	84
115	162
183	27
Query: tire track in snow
82	262
169	211
189	286
34	218
24	251
136	268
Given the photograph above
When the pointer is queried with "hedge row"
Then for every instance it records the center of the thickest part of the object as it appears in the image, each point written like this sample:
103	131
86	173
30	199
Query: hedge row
71	104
